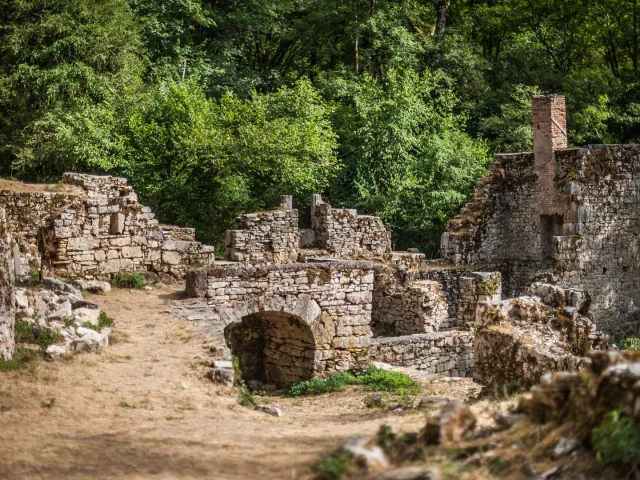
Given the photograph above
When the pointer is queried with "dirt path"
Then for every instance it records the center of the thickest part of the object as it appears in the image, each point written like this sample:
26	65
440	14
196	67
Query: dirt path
137	411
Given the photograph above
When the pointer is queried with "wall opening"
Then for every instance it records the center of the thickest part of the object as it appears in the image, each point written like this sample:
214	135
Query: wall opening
273	347
550	226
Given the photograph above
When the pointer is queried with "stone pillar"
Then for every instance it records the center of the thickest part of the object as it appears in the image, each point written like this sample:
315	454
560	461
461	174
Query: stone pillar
286	201
476	287
549	134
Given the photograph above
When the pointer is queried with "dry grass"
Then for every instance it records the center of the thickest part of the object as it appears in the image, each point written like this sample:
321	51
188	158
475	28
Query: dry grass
182	426
15	186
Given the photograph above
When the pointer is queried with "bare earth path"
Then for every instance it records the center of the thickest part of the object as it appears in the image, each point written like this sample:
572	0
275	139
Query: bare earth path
136	412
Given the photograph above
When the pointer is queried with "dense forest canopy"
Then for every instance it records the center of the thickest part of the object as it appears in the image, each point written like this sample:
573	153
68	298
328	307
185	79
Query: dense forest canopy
213	108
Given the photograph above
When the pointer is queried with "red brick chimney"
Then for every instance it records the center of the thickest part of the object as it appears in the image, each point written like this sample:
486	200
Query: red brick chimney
549	134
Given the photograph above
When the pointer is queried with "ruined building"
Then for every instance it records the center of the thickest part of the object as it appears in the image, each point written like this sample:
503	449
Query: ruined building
296	303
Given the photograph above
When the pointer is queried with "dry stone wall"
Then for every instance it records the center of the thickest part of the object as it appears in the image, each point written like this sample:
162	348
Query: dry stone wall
331	301
265	237
107	231
440	353
343	233
7	294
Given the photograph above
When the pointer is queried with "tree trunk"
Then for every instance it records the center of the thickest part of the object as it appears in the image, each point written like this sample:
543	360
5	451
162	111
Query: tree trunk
356	52
442	9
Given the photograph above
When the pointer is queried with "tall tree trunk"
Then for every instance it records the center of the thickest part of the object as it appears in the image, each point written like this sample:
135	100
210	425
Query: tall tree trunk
356	52
635	38
442	9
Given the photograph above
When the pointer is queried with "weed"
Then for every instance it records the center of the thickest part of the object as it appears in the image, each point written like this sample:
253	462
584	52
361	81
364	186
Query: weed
334	466
48	404
245	398
128	280
24	332
49	337
33	280
377	400
69	321
498	466
631	343
124	404
617	441
103	322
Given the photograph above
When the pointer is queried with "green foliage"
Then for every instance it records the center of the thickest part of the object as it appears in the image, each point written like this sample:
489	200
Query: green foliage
334	466
128	280
382	380
373	378
631	343
405	152
48	337
336	382
24	332
103	322
617	440
245	397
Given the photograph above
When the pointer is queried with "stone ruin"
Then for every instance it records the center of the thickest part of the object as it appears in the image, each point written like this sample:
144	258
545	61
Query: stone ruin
565	218
88	227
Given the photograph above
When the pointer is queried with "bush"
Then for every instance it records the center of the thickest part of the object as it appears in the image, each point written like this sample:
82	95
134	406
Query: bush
24	331
631	343
333	466
48	337
617	441
128	280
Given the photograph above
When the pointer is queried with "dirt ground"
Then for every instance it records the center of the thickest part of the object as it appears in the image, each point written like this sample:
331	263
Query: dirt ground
138	411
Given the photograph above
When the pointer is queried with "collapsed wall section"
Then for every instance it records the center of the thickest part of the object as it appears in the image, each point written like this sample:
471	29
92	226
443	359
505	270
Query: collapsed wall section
107	231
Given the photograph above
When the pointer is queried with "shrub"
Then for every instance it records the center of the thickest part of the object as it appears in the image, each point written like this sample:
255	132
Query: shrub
631	343
48	337
245	398
24	332
128	280
334	466
617	441
103	321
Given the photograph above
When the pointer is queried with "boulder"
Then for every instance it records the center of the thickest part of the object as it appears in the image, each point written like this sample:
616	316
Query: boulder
90	340
86	315
56	351
366	453
450	425
224	376
269	409
93	286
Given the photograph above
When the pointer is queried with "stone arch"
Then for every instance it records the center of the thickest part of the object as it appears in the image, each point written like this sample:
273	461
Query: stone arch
273	337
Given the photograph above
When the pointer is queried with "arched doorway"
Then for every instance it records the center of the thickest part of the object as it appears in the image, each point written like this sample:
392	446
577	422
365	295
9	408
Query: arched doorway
273	347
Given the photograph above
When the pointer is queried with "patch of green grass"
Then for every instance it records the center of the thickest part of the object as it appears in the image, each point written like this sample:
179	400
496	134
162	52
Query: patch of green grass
631	343
124	404
103	322
334	466
21	359
382	380
128	280
334	383
48	404
617	440
373	378
25	333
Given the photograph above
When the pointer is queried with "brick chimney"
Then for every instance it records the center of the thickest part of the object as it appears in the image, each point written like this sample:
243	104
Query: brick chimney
549	134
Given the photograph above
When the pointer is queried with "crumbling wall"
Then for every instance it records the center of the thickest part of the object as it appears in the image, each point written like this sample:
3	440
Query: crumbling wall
7	294
107	231
345	234
265	237
599	250
520	339
332	298
442	353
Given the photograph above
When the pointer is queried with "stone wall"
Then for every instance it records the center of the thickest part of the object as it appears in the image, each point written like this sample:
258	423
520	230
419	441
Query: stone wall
330	302
265	237
444	353
343	233
107	230
7	294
